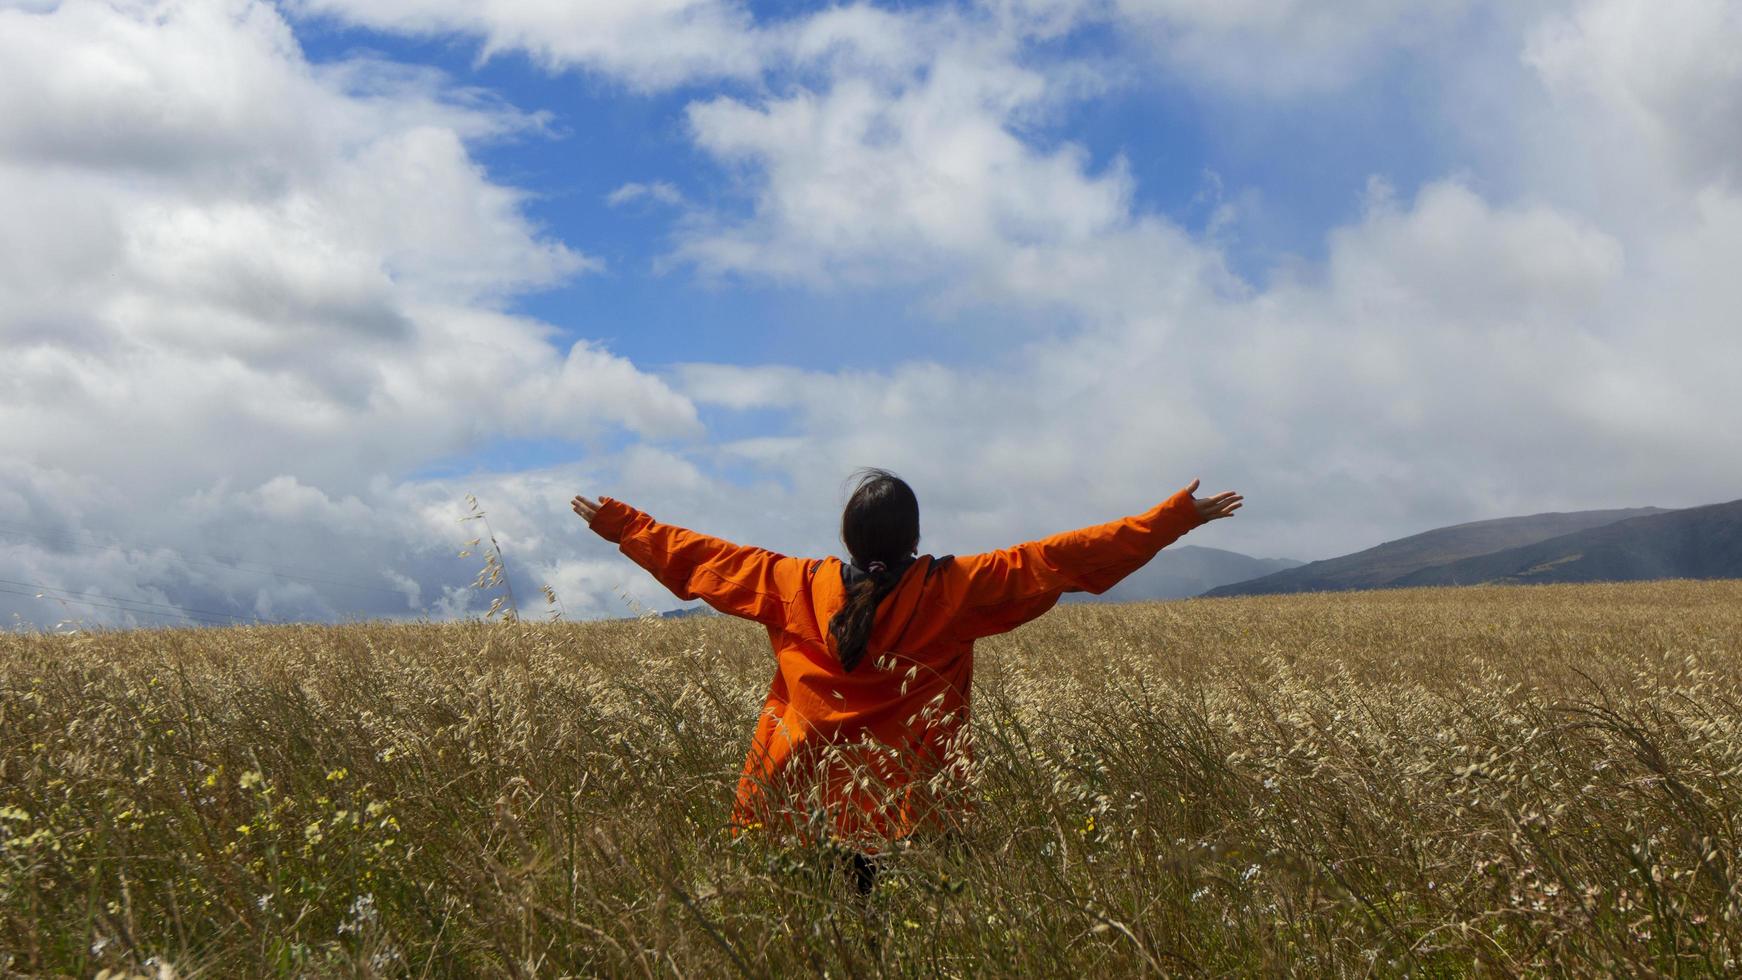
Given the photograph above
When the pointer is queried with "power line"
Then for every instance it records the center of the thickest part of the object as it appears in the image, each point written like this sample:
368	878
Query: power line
151	608
236	564
180	610
125	609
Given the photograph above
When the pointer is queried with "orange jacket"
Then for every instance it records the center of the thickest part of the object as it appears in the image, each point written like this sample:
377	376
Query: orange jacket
863	756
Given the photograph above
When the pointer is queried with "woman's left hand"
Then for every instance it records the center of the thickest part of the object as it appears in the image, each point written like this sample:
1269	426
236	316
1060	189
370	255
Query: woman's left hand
1222	505
586	507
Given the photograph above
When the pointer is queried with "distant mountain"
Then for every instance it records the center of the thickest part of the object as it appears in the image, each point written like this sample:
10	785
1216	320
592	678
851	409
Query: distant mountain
1700	542
1386	564
685	612
1178	573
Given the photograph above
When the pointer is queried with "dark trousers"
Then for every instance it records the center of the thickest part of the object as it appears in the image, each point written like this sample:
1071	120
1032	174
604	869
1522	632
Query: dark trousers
861	870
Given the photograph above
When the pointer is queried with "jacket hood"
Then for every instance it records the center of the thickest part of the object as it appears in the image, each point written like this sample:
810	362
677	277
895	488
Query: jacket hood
896	609
852	574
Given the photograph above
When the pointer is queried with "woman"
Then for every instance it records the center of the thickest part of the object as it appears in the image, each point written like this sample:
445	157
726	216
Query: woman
864	724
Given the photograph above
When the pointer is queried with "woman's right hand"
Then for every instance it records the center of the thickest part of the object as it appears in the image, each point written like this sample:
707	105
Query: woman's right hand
587	507
1222	505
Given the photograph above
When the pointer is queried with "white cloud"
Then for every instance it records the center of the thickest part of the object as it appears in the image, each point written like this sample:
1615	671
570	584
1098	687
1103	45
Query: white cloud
659	191
243	295
257	329
1454	360
925	178
648	43
1271	47
1663	78
1300	50
1452	252
1459	356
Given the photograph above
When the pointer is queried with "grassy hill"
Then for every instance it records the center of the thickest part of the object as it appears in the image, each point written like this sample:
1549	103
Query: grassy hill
1388	563
1700	542
1443	782
1183	571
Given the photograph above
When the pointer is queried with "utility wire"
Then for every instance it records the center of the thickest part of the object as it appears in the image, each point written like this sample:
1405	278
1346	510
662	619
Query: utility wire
235	564
180	610
129	605
106	605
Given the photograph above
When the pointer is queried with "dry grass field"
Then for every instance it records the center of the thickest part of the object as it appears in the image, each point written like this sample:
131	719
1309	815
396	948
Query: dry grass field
1445	782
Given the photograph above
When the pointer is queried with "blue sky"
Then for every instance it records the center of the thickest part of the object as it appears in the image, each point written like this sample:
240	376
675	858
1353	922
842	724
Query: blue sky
282	282
1188	150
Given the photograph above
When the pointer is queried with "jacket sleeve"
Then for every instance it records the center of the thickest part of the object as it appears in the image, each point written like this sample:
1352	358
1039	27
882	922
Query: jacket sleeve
735	579
1000	590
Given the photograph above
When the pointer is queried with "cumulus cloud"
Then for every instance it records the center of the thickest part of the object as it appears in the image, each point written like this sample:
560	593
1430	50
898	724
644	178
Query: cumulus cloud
278	321
1456	355
1275	47
1667	76
1453	360
244	296
1291	48
861	175
648	43
928	176
658	191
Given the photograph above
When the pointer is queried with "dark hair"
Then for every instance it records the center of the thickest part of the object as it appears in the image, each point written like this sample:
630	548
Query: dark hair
880	525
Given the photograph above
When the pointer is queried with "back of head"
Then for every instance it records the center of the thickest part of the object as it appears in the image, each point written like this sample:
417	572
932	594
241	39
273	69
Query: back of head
880	527
881	520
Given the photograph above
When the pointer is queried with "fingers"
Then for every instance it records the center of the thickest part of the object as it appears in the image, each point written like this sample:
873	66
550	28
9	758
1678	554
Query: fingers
586	507
1222	505
1193	488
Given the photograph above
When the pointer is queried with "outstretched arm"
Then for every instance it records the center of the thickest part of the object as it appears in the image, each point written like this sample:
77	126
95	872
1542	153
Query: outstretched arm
735	579
1000	590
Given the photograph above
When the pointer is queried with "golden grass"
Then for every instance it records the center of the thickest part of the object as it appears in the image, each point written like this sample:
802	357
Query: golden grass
1492	780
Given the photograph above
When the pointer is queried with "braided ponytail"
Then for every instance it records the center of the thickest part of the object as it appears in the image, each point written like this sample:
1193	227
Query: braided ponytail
880	527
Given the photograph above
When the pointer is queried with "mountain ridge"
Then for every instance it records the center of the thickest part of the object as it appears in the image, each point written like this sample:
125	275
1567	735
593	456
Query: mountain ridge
1695	543
1385	563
